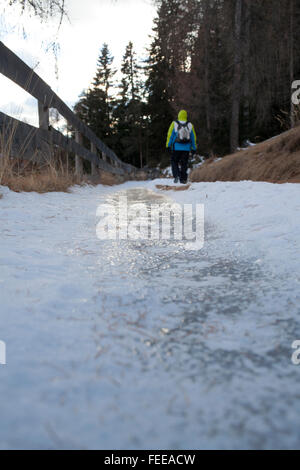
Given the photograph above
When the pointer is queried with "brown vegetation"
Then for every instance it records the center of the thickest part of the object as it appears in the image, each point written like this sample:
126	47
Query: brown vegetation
141	176
20	176
56	173
173	188
276	160
105	178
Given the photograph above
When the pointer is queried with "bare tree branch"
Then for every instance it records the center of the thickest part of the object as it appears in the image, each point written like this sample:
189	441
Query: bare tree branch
44	9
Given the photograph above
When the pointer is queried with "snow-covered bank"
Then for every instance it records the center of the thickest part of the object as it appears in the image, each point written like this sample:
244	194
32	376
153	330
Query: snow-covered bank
147	345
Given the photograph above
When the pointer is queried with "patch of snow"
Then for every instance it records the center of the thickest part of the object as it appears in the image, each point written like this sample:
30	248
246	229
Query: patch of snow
246	145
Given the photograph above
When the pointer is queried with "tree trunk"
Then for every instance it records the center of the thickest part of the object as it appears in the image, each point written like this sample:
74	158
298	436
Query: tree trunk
140	146
206	84
292	12
235	118
246	66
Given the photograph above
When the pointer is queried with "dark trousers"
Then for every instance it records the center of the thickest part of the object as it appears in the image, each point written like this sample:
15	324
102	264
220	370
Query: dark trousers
180	161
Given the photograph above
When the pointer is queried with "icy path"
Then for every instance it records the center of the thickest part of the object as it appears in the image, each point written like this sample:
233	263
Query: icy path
147	345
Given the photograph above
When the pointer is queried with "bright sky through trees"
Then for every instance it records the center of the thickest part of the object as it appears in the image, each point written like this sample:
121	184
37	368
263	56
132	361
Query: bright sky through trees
92	22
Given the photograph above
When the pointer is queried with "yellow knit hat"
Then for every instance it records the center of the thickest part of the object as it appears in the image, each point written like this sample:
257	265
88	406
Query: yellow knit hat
182	116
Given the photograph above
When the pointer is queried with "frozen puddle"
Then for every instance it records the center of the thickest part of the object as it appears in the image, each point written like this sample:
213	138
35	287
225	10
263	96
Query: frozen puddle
125	345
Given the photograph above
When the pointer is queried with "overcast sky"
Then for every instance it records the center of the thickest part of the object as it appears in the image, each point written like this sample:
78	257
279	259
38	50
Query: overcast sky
92	22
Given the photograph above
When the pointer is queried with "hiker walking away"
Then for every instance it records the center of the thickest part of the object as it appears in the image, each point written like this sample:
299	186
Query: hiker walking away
181	141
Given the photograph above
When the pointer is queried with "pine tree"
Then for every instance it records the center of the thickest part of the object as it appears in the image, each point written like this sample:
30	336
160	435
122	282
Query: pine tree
131	81
95	106
129	111
160	78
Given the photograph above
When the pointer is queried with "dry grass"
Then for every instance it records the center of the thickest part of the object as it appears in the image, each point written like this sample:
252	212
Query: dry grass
42	182
26	176
23	175
141	176
53	175
105	178
275	161
108	179
173	188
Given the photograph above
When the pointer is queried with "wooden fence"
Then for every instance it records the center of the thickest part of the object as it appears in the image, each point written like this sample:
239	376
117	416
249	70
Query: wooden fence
32	143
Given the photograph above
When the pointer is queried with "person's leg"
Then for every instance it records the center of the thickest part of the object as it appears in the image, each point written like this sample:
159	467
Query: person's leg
184	162
175	161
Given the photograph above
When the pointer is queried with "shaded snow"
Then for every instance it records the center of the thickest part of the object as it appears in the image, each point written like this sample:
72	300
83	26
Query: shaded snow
147	345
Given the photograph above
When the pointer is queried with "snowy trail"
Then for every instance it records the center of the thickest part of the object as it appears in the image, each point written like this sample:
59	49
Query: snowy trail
145	344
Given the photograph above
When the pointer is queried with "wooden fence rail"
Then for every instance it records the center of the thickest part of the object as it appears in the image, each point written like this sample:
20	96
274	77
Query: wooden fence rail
31	142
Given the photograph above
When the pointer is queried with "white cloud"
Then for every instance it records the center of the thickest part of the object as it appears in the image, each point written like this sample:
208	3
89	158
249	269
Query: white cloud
92	22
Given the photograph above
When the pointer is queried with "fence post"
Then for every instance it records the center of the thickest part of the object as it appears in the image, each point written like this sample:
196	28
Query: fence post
43	116
93	165
78	159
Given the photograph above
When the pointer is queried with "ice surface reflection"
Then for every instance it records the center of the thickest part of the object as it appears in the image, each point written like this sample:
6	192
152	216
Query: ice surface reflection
143	344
